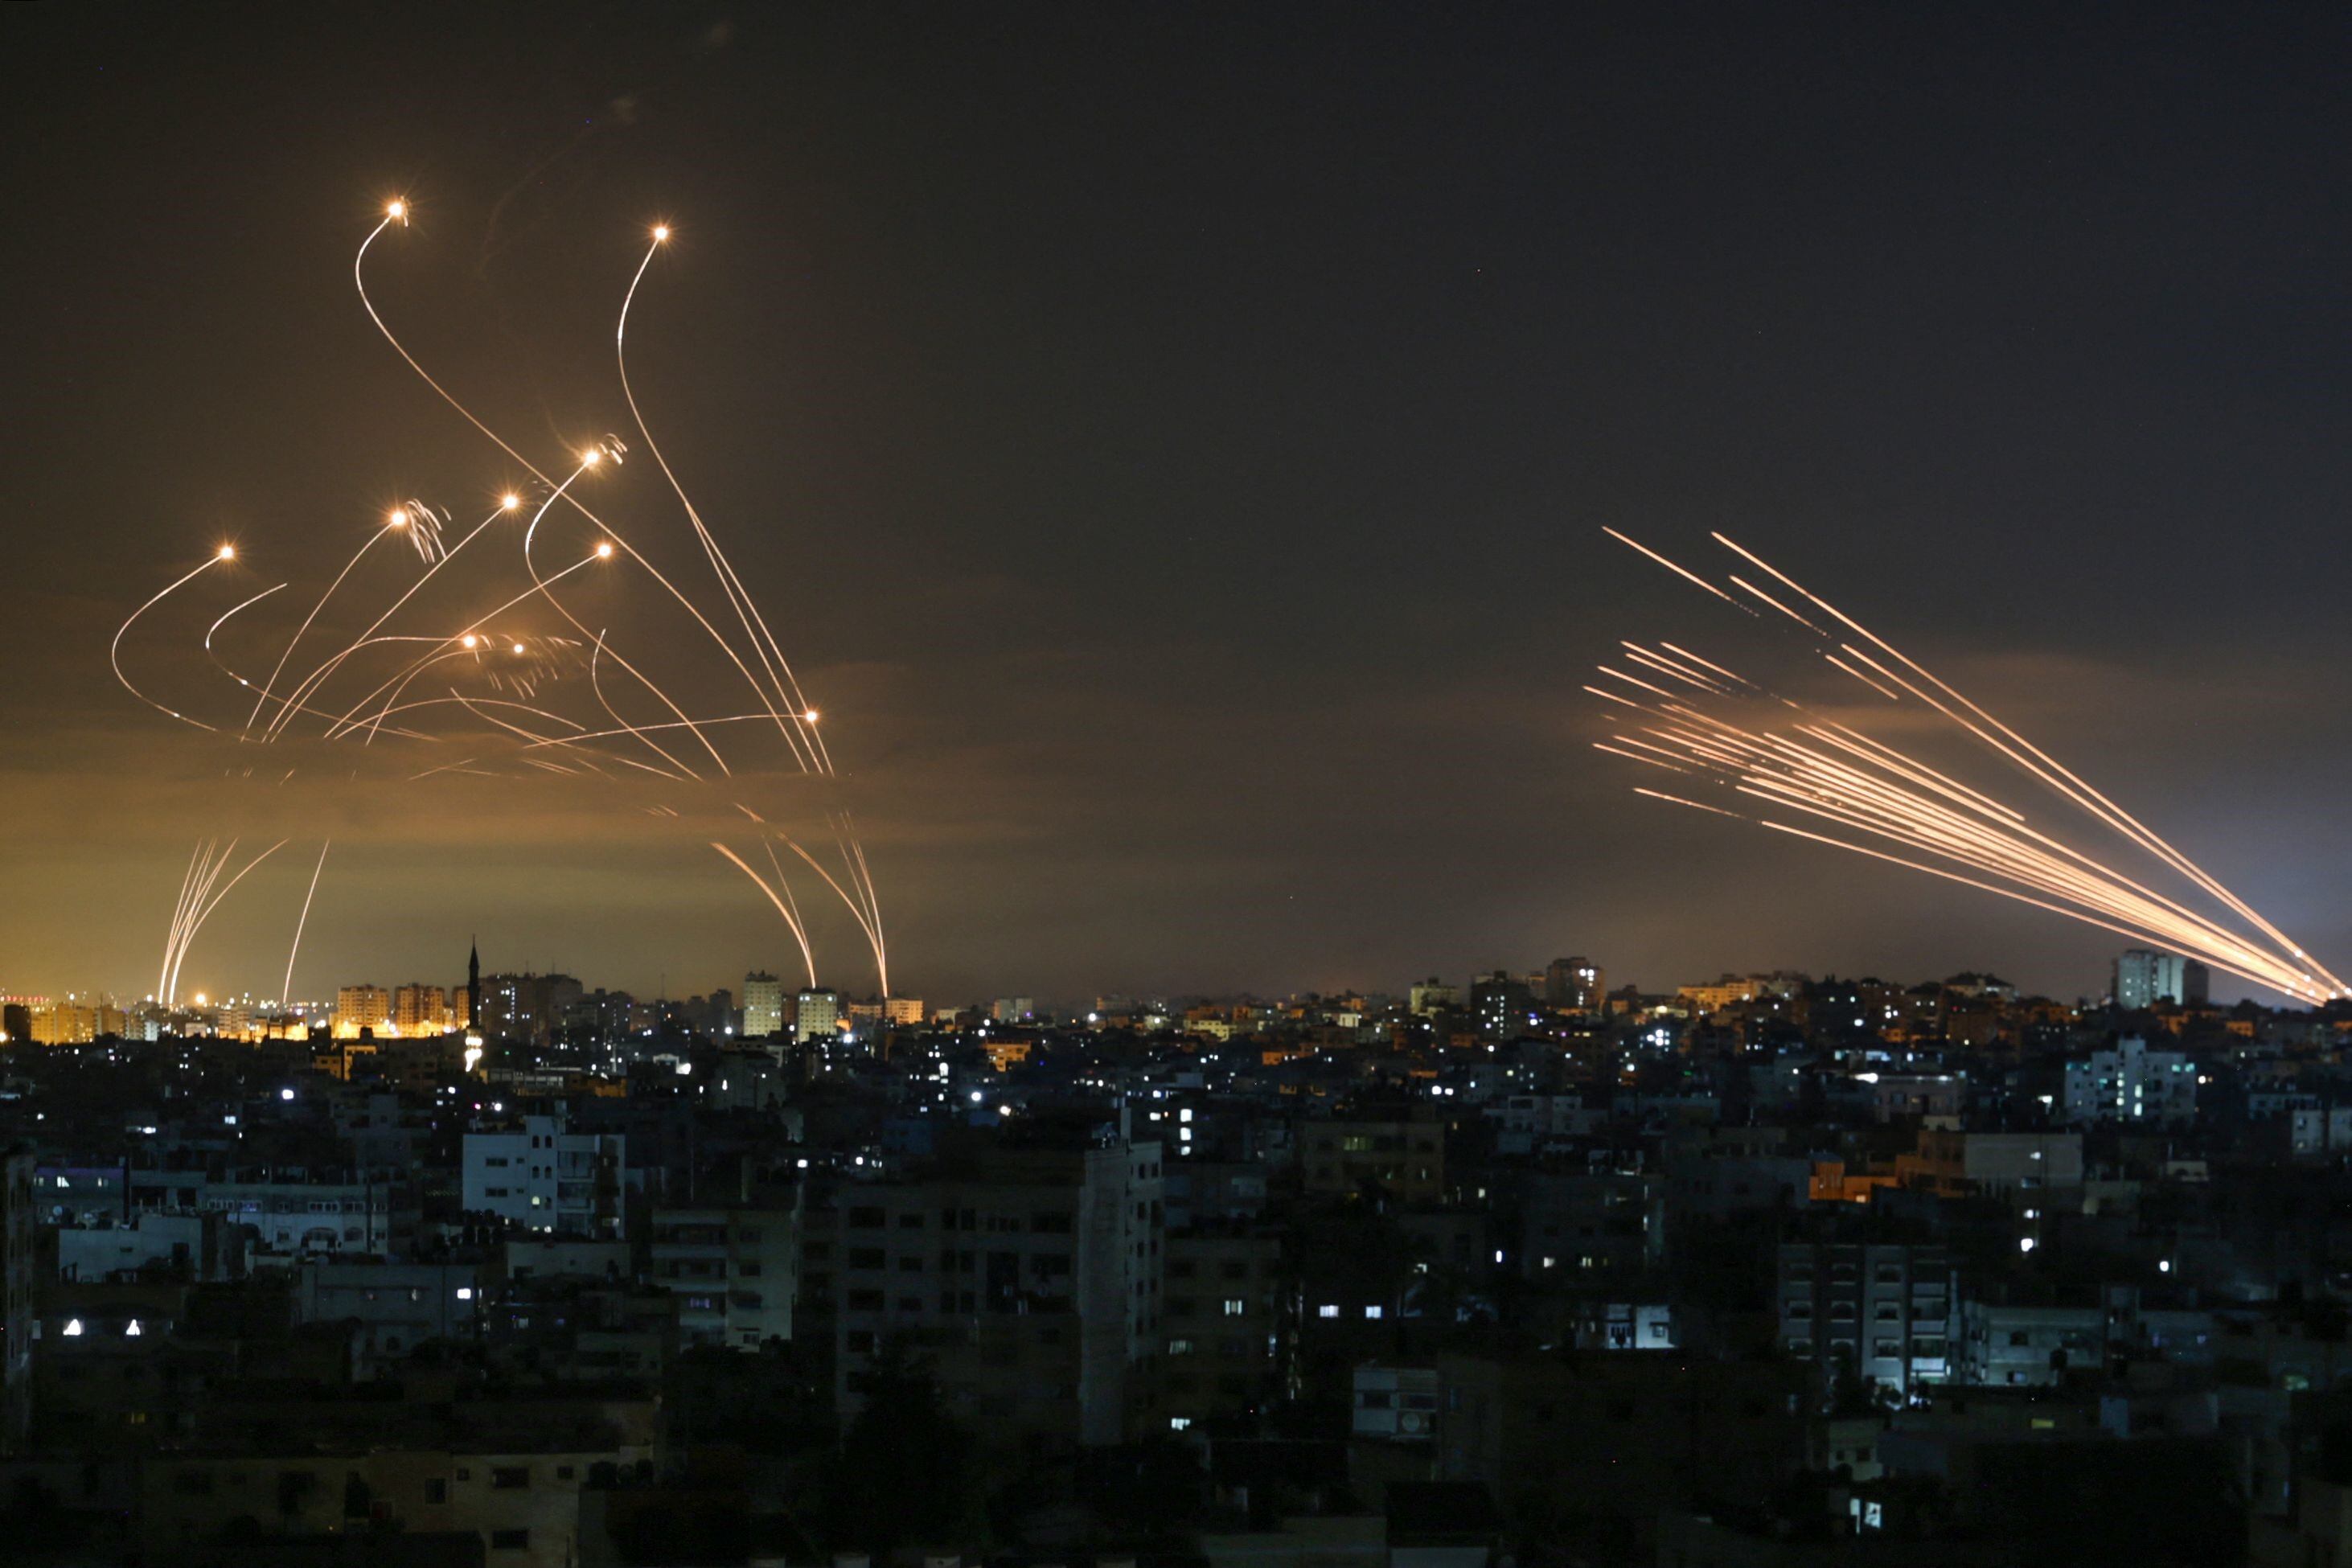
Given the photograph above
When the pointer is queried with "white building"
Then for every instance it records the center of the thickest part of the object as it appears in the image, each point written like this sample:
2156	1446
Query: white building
763	1005
2143	978
538	1176
2130	1083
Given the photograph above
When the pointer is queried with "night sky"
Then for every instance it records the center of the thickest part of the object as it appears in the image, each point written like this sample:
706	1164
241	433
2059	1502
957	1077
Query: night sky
1173	444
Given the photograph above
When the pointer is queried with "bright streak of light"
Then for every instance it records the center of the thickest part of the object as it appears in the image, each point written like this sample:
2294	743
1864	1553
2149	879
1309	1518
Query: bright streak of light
1838	774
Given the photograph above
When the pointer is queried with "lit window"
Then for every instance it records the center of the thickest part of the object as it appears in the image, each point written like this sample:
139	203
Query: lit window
73	1326
1329	1309
1372	1312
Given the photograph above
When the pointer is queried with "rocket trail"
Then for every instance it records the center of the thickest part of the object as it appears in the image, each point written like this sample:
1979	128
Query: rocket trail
1838	774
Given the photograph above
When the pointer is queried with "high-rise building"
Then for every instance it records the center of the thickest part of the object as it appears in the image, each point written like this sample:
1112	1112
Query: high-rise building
763	1005
361	1007
817	1013
1029	1278
2143	978
420	1009
1575	983
528	1006
1502	1006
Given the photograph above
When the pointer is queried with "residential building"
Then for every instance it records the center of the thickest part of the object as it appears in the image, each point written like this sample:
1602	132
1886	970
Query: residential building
763	1005
537	1174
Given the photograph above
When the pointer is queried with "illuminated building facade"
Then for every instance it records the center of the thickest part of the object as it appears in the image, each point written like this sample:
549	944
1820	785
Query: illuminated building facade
763	1005
361	1007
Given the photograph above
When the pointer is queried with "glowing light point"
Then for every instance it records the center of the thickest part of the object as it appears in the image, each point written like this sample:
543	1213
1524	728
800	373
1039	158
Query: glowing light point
661	233
396	517
396	210
809	717
605	551
225	553
471	639
518	647
591	458
509	501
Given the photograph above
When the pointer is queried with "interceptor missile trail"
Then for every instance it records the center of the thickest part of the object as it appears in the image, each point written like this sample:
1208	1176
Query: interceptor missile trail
505	679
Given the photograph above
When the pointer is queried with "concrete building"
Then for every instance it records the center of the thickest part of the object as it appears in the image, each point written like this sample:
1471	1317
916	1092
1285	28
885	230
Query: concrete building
734	1270
1029	1277
2143	978
199	1246
1577	982
2129	1083
817	1012
539	1175
393	1307
290	1213
2024	1168
73	1023
1222	1311
528	1006
1432	996
763	1005
361	1008
1406	1158
421	1009
1504	1007
1879	1312
2017	1347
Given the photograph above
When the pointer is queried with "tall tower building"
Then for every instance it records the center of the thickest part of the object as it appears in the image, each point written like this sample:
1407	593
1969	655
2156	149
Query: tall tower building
763	1005
474	988
2143	978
